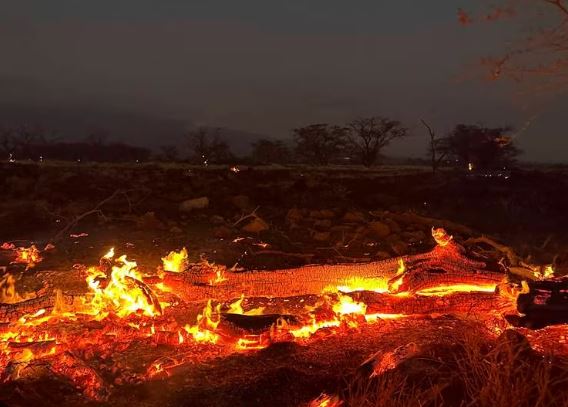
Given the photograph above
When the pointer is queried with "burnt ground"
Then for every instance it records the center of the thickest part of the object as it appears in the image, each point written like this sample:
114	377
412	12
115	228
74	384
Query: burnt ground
308	215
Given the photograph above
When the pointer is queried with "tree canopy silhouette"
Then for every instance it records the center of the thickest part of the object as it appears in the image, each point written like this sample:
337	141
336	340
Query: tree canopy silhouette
484	148
320	143
368	136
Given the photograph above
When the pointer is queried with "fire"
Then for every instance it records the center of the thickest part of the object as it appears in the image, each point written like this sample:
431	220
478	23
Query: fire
326	400
548	271
124	293
461	288
28	255
378	285
372	318
251	342
441	237
346	305
545	273
393	287
307	330
175	262
219	275
204	330
110	254
8	293
117	289
236	308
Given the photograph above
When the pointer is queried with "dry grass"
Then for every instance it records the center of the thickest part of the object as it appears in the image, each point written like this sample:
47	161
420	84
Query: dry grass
473	372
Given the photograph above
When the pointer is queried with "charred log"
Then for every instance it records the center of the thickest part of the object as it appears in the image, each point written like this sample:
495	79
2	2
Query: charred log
545	304
256	323
442	265
455	303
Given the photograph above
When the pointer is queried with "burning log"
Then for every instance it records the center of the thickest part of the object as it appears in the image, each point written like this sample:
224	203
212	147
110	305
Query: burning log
49	302
445	265
193	286
12	312
454	303
86	379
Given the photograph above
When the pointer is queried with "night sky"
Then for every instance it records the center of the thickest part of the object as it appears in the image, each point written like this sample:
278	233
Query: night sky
267	67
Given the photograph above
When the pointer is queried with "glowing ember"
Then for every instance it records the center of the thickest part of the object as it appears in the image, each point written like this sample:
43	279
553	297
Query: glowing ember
378	285
462	288
8	293
28	255
325	400
236	308
175	262
441	237
251	342
346	305
372	318
393	287
219	274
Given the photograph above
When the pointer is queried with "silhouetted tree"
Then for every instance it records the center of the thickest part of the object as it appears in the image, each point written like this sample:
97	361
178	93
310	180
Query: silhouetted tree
207	146
368	136
436	149
320	143
484	148
270	151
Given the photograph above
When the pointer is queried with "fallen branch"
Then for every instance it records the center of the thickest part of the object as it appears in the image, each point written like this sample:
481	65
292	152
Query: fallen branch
95	210
250	215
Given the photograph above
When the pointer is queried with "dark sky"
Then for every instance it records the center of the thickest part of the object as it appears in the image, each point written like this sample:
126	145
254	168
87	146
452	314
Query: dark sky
267	66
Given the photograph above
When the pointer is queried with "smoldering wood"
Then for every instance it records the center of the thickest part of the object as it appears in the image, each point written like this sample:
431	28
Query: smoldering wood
545	304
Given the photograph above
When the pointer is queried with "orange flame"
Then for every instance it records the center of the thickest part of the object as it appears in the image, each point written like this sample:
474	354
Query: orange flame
236	308
204	330
122	295
175	262
28	255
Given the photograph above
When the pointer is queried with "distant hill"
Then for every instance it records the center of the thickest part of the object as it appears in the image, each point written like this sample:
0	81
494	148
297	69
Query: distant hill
72	123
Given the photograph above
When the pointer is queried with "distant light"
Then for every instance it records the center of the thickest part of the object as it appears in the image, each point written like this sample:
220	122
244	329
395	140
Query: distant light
470	167
12	159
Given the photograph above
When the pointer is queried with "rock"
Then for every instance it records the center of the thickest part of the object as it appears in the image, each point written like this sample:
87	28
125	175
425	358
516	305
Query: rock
321	236
256	225
394	227
176	230
379	229
148	221
382	255
341	228
399	248
322	214
242	202
322	224
415	236
354	217
193	204
217	220
294	216
222	232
